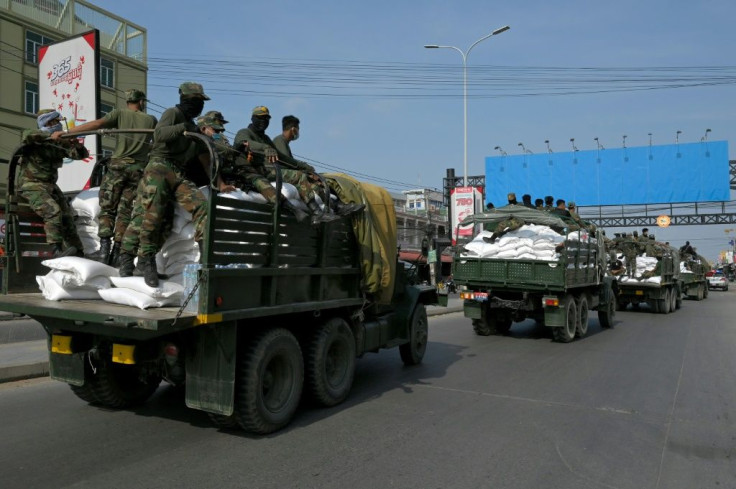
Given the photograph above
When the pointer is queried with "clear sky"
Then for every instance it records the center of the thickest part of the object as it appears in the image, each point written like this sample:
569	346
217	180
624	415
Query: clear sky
375	103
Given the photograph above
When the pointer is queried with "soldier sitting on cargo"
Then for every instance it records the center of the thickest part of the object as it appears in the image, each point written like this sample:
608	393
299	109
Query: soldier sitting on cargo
617	267
503	227
560	209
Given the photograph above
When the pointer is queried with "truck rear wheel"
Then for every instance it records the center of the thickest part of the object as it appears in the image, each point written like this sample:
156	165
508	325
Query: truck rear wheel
663	305
412	352
330	365
583	313
705	291
270	377
676	299
120	386
606	313
566	333
86	392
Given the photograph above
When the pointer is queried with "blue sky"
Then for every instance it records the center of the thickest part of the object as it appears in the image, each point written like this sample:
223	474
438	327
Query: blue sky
410	140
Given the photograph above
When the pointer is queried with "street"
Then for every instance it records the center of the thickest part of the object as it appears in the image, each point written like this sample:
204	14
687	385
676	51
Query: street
647	404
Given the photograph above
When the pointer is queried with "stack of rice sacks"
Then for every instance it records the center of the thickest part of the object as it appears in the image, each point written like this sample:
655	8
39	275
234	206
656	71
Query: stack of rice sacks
86	206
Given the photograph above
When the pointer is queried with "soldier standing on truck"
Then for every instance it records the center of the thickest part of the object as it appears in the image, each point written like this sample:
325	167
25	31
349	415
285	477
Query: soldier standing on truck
164	183
119	184
630	249
39	169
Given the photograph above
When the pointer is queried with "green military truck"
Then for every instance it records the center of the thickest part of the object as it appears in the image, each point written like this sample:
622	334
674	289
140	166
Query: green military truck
558	291
693	283
659	285
282	307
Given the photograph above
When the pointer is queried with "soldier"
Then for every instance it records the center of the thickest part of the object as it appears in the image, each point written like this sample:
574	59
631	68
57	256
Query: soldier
511	197
490	206
39	169
645	233
630	249
560	209
526	201
164	183
124	171
289	133
503	227
539	204
549	203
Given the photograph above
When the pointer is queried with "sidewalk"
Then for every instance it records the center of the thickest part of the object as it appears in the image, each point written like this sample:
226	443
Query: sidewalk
24	353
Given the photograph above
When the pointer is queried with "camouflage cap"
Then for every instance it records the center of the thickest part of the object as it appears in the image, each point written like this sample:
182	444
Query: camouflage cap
261	111
192	88
571	204
217	116
511	196
206	121
134	95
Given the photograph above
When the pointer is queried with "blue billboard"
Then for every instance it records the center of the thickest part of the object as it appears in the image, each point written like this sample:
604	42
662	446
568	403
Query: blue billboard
692	172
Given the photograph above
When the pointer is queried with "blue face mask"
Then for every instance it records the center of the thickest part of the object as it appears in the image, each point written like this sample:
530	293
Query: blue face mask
217	136
50	129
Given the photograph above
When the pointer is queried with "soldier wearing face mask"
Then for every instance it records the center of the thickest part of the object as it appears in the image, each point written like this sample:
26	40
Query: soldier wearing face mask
164	182
40	161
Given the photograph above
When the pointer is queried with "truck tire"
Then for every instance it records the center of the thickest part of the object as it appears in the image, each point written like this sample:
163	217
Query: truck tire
705	291
583	312
269	380
86	392
565	334
412	352
330	363
663	305
606	314
120	386
225	422
676	299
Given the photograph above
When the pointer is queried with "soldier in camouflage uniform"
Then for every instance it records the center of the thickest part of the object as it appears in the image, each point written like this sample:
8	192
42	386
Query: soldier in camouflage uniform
256	167
119	184
503	227
39	169
630	249
164	183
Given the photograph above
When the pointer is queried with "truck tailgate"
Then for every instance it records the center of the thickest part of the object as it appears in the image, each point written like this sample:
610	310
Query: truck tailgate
98	316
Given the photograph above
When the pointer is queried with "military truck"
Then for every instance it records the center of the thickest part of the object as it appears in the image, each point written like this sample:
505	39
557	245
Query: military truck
693	283
558	291
656	281
278	308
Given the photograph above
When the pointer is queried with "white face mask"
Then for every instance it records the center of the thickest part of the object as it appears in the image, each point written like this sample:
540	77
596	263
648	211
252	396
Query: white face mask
50	129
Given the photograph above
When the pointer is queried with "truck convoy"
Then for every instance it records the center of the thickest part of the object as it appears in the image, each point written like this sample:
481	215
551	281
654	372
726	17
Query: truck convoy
276	307
651	274
693	282
525	263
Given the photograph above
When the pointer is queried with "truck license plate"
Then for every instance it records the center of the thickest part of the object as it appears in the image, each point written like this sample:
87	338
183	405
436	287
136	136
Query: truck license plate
639	292
480	296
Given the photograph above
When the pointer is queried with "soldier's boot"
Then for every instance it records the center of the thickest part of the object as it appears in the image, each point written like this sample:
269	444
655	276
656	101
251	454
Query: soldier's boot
114	255
300	215
126	264
343	209
318	215
104	253
59	252
147	267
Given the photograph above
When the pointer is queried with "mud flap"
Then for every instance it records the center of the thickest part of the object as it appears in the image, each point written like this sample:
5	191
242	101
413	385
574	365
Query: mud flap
67	368
210	365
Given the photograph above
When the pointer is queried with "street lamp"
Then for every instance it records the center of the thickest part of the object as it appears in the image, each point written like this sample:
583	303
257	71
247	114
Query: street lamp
465	91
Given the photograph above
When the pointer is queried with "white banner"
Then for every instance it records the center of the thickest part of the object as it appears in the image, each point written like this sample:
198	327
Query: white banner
462	205
68	82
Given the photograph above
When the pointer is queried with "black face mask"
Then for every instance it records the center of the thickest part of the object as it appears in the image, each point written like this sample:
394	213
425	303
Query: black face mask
260	124
191	107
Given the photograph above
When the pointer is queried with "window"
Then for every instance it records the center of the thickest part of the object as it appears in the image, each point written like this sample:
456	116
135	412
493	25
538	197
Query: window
107	73
33	42
31	98
105	108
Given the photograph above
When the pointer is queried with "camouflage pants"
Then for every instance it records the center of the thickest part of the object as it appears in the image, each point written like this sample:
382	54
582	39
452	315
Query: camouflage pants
161	186
260	178
630	264
117	192
48	201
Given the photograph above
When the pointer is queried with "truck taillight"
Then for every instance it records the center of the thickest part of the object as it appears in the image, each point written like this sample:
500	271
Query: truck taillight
551	301
171	353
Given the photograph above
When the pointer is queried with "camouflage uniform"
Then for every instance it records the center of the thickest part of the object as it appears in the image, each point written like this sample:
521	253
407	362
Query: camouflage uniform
125	169
503	227
164	182
39	170
630	248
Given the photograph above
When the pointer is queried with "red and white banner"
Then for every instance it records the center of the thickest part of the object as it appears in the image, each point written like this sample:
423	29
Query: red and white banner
463	202
68	81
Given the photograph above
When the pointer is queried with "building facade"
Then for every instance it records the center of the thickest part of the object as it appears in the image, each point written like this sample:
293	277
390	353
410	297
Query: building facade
26	25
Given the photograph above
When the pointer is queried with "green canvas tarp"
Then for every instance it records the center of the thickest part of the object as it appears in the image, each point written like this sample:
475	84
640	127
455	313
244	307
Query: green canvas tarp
375	231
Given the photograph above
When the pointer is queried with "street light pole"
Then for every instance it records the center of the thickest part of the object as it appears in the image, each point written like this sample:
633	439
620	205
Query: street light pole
465	54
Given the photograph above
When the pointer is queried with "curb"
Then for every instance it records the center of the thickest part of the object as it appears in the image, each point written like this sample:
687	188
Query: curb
14	373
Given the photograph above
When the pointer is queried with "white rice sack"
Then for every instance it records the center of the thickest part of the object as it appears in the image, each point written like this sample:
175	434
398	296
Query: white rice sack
542	246
177	247
179	222
87	203
129	297
55	292
524	250
83	268
527	256
288	190
164	290
69	280
301	205
507	240
511	253
256	197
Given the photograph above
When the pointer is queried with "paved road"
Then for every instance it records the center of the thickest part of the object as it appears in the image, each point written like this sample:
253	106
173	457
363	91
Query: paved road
648	404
